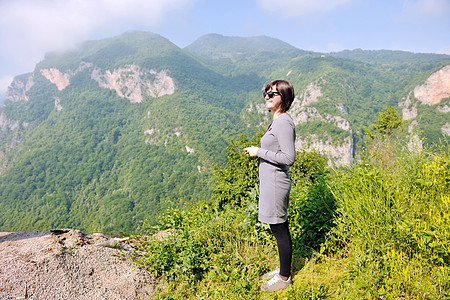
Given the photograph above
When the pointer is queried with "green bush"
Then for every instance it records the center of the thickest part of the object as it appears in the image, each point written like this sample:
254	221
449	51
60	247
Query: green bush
392	218
312	205
239	175
393	225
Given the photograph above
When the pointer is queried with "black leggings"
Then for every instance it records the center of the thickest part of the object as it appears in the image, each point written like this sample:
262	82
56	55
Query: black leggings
284	243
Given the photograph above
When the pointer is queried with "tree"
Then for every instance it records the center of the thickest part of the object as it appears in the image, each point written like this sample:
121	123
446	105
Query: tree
382	138
387	121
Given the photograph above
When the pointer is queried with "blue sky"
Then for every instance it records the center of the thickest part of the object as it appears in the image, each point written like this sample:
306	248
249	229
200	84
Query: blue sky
30	28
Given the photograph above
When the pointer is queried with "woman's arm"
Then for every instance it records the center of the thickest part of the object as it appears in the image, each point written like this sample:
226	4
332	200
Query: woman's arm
285	134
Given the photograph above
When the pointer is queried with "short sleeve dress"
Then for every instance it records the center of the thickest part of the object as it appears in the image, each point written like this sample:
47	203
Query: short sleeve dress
276	154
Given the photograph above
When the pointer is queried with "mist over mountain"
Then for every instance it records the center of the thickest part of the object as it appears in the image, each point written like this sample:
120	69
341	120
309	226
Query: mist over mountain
101	137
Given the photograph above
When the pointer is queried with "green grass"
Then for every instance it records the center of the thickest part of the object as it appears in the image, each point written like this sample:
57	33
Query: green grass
393	226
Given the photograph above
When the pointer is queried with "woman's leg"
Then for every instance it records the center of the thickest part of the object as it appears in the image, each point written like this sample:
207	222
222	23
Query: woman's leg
284	243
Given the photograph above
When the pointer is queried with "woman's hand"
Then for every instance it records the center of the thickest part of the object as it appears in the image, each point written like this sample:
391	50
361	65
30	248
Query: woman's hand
251	151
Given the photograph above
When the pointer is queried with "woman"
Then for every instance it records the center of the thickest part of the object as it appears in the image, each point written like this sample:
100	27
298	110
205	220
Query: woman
276	154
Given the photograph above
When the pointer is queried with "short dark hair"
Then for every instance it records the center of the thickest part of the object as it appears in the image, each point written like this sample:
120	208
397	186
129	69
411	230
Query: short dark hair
286	91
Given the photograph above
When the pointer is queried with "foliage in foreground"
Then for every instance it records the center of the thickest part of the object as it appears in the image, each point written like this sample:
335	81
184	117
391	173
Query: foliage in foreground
377	230
393	226
207	254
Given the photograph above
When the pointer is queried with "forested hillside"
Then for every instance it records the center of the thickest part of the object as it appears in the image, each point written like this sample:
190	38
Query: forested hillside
118	130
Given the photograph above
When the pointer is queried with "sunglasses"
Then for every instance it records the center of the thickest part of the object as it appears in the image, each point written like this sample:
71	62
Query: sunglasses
270	94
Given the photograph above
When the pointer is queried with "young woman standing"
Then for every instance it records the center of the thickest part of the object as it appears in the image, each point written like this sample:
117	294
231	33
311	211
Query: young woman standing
276	153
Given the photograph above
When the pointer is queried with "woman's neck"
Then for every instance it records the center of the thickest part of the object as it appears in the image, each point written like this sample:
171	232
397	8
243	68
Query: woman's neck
277	113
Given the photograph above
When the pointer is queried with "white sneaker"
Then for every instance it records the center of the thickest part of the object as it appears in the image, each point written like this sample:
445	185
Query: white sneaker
276	284
271	274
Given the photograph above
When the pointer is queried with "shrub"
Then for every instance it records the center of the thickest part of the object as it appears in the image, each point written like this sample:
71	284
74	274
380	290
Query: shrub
239	175
394	225
312	205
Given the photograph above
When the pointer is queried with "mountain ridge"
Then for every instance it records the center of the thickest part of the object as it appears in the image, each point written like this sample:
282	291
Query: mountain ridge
219	44
120	129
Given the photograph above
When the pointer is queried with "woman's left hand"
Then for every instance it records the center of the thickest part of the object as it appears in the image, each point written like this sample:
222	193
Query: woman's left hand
251	151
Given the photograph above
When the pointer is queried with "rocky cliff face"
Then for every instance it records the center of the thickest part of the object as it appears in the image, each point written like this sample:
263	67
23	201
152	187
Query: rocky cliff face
134	83
446	129
415	144
409	110
17	91
435	88
431	92
59	79
338	152
131	82
5	123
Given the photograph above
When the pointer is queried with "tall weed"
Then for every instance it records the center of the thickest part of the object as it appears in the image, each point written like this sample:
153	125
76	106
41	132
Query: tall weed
393	224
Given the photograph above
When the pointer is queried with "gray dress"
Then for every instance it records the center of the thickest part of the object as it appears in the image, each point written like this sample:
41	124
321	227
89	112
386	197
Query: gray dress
276	154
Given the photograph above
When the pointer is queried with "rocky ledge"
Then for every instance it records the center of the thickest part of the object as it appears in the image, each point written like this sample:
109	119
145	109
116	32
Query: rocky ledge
67	264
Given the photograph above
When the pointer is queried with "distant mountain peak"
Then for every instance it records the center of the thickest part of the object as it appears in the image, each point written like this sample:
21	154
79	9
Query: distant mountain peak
217	43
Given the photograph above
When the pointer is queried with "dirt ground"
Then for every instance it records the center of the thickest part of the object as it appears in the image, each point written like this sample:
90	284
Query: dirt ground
67	264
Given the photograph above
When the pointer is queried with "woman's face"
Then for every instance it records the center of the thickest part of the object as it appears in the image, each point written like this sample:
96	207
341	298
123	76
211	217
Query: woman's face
273	104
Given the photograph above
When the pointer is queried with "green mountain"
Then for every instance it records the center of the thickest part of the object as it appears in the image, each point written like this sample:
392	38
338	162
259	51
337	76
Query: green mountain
101	137
242	55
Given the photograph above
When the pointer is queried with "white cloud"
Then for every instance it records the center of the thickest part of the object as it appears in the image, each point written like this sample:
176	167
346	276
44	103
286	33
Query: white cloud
29	28
299	8
426	8
444	50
